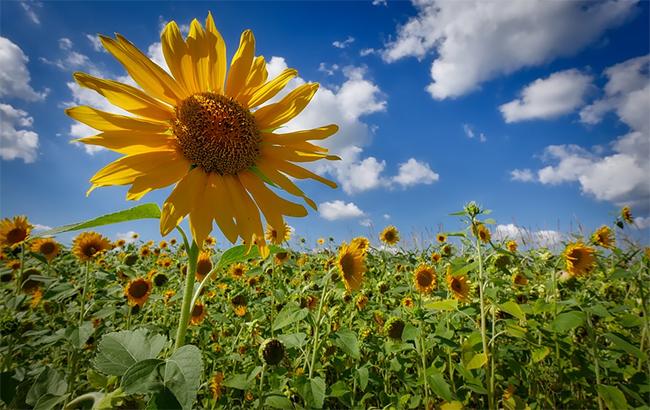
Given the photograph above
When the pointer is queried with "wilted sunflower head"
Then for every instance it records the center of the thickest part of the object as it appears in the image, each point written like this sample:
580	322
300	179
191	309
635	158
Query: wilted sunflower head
579	258
137	291
351	265
278	236
424	279
511	246
160	279
446	249
237	270
203	265
361	301
389	236
88	245
199	312
441	237
394	328
626	214
47	247
216	385
27	282
603	237
211	134
271	351
459	286
14	231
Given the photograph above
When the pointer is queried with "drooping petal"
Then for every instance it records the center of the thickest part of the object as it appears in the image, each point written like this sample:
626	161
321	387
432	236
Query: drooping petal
267	91
274	115
217	196
178	58
300	136
124	170
217	56
256	77
247	214
181	200
131	142
283	182
163	177
241	64
294	156
299	172
153	79
105	121
201	213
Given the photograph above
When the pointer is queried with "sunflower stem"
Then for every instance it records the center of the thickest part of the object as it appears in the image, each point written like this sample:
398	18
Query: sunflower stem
318	323
193	256
483	327
19	279
83	295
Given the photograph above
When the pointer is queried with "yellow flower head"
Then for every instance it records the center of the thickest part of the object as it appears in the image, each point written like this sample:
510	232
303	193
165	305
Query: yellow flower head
441	237
47	247
459	286
203	265
425	279
390	235
119	243
162	244
361	301
88	245
198	314
145	251
281	257
137	291
481	232
351	263
321	241
407	302
579	258
215	385
435	257
37	295
210	241
279	235
238	270
603	237
626	214
519	279
511	246
206	132
14	231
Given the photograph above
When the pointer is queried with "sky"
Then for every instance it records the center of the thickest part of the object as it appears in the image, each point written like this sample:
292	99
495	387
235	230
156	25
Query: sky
537	110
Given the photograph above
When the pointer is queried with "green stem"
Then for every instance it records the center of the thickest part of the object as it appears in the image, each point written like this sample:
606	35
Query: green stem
481	286
186	307
594	352
83	295
22	269
261	393
317	327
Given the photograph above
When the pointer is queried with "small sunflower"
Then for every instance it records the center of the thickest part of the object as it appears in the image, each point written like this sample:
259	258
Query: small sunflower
165	262
407	302
271	351
425	278
160	279
199	312
278	236
519	279
579	258
481	232
239	305
237	271
320	241
137	291
119	243
447	250
441	237
168	295
216	383
203	265
88	245
47	247
28	284
145	251
361	301
210	241
14	231
394	327
351	263
162	244
459	286
172	241
435	257
389	236
603	237
13	264
135	235
626	214
37	295
281	257
511	246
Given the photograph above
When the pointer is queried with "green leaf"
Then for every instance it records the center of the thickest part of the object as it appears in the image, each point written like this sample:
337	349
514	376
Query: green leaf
49	402
238	381
489	221
347	341
183	374
7	387
77	336
142	377
410	332
164	400
49	381
339	389
440	386
289	314
317	385
293	340
540	354
448	304
621	343
278	402
477	361
465	268
118	351
363	377
567	321
614	399
513	308
144	211
239	253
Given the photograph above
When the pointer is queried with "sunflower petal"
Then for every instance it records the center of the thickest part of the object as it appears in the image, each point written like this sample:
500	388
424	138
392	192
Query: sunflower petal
217	56
248	217
299	172
223	208
241	64
256	78
164	176
283	182
181	200
131	142
178	58
274	115
300	136
267	91
124	170
197	43
105	121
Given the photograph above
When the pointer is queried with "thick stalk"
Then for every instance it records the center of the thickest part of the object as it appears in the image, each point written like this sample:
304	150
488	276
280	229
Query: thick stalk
186	307
317	327
481	286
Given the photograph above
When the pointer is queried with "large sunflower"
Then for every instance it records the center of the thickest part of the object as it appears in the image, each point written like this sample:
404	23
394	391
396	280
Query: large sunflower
351	262
459	286
14	231
208	132
579	258
425	279
88	245
48	247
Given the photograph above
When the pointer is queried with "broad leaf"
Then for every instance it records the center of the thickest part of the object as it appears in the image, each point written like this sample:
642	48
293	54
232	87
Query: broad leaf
567	321
142	377
118	351
347	341
289	314
183	374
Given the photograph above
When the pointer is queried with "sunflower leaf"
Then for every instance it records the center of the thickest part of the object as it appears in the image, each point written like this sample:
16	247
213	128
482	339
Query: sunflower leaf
117	351
183	374
347	341
144	211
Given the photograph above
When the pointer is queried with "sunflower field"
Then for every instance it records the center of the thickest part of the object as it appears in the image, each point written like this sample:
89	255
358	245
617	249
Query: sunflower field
466	322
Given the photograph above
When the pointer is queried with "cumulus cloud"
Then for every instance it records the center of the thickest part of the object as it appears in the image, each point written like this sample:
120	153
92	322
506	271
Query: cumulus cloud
16	140
476	40
72	60
522	175
328	69
367	51
547	238
413	172
558	94
366	222
40	227
335	210
14	76
96	43
344	43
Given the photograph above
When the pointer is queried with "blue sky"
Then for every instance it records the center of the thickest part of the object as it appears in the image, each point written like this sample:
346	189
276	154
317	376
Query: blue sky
537	110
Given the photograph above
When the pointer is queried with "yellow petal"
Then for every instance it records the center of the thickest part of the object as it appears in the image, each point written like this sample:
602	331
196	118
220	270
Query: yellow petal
300	136
247	214
167	175
299	172
256	78
131	142
274	115
178	58
197	46
217	195
153	79
124	170
126	97
105	121
289	154
217	56
267	91
241	64
181	200
283	182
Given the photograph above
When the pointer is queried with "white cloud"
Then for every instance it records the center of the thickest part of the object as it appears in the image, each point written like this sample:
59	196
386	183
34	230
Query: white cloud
642	222
345	43
476	40
367	51
16	141
335	210
328	69
72	60
127	237
413	172
96	43
558	94
39	227
30	9
547	238
156	55
386	216
14	76
380	2
522	175
367	222
469	133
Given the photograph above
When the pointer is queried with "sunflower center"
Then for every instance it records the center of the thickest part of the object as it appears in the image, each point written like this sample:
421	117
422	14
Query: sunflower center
90	250
197	310
16	235
138	289
425	279
347	264
455	285
216	133
47	248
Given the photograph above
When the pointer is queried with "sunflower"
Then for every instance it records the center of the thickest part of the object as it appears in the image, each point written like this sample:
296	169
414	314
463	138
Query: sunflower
210	241
237	271
320	241
47	247
389	236
205	132
626	214
162	244
407	302
199	312
239	305
441	237
511	246
281	257
459	286
135	235
172	241
579	258
603	237
447	250
36	298
88	245
351	263
137	291
14	231
13	264
119	243
216	385
168	295
481	232
435	257
519	279
145	251
203	265
278	236
425	279
361	301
